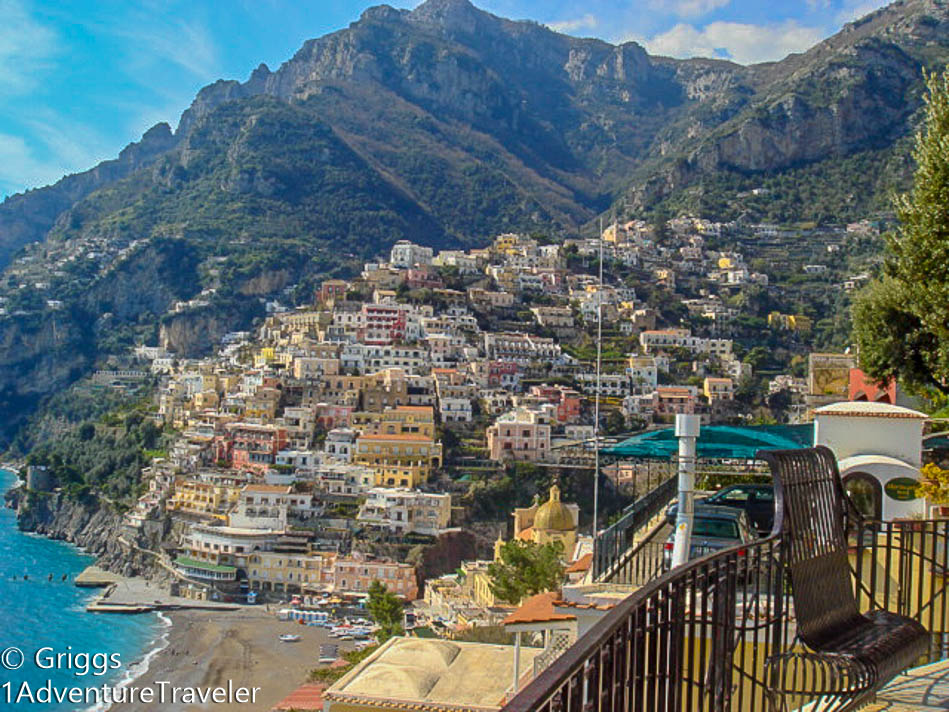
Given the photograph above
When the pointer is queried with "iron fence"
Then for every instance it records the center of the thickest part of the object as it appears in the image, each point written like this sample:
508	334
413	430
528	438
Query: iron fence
701	636
615	547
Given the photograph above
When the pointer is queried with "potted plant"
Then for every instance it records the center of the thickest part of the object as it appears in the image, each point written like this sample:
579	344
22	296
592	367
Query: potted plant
934	486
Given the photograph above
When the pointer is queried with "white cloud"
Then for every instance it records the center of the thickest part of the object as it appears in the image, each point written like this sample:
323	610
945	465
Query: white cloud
149	36
26	47
587	22
21	168
49	147
688	8
742	43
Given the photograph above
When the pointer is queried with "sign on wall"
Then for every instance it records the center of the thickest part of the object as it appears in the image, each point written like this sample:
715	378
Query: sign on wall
902	489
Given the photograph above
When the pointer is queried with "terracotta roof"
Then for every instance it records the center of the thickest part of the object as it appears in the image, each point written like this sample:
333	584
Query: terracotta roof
526	534
306	698
538	609
580	565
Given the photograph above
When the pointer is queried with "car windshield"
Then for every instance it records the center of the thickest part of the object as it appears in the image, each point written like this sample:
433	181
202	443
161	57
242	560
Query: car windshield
719	528
735	495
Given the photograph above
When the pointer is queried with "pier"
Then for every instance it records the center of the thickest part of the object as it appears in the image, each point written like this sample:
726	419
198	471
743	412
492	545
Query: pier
136	595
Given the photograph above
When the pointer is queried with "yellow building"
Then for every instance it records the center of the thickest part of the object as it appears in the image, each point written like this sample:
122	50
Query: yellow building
506	244
398	460
205	400
793	322
543	523
477	584
288	573
264	356
263	404
213	499
401	420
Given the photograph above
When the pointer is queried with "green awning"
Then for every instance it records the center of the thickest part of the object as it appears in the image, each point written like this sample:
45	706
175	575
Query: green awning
717	441
203	565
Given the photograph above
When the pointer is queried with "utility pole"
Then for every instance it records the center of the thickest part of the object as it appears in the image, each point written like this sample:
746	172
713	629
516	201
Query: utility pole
596	401
687	430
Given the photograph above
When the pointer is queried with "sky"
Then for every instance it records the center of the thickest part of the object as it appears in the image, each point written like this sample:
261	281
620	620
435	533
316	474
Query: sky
80	79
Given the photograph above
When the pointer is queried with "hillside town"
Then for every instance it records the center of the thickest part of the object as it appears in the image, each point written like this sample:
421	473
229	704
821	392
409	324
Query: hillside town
390	430
311	455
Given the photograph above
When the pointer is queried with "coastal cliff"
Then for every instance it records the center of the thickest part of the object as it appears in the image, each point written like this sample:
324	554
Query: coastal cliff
89	523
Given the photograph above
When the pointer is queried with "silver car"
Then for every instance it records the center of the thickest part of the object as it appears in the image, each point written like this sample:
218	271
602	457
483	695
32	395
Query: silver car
714	528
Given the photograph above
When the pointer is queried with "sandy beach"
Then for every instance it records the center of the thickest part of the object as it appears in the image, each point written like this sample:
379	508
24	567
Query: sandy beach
207	649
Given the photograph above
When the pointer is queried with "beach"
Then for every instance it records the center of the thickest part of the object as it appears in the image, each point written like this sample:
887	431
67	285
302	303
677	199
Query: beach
210	648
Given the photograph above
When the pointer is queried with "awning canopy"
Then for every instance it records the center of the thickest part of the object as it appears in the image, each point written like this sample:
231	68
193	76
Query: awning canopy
717	441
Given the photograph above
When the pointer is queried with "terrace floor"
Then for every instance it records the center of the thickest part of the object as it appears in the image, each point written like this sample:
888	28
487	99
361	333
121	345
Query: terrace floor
921	689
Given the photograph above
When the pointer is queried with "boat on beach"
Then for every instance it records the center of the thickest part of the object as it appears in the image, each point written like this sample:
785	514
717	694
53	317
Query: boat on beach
289	638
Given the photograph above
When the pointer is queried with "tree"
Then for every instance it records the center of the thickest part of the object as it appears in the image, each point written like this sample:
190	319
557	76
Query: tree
615	423
526	568
385	609
900	324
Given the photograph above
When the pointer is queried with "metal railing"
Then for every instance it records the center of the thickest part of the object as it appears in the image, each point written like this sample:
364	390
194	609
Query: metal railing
701	636
615	546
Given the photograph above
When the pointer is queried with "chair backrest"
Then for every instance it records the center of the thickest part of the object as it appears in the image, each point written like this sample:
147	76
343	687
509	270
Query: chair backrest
809	512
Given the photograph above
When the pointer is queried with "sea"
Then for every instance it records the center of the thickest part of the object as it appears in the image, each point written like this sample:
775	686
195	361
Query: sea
47	622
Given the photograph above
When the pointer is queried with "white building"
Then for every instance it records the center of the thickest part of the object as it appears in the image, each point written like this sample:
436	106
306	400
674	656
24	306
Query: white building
406	254
660	339
643	374
340	444
455	410
615	385
879	452
406	511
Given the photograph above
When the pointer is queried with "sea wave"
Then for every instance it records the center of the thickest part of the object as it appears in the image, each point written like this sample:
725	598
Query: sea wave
139	668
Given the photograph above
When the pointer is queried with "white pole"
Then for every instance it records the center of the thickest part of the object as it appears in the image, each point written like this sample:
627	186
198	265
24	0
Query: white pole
687	430
596	402
517	659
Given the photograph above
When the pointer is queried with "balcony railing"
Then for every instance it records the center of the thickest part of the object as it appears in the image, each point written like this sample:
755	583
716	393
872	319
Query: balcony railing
616	554
700	637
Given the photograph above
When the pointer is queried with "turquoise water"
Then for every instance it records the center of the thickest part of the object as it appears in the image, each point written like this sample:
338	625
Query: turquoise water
38	613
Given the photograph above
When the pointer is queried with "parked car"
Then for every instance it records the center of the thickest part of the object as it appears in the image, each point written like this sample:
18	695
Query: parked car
757	501
714	528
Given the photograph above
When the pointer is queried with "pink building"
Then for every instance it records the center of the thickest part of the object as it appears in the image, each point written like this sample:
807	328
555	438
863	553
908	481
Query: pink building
670	400
383	324
330	415
354	574
251	447
520	435
567	400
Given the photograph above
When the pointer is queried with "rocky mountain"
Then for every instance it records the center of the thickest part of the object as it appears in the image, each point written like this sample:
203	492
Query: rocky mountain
482	124
446	125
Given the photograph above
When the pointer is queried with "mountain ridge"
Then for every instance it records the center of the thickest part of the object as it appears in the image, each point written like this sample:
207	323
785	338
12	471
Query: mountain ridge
453	68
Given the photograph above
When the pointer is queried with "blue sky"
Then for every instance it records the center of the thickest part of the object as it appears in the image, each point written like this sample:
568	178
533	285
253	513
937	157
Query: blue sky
79	79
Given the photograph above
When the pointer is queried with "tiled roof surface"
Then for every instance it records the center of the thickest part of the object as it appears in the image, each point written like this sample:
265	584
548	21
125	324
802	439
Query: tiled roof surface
538	609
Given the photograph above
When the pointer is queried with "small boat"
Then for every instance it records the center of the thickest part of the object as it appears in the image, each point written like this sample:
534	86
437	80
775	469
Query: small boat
289	638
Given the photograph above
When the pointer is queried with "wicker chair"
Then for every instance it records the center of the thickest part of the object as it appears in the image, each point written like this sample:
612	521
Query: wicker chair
840	657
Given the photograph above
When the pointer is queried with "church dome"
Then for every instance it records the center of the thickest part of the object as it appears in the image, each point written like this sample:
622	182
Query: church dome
553	515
